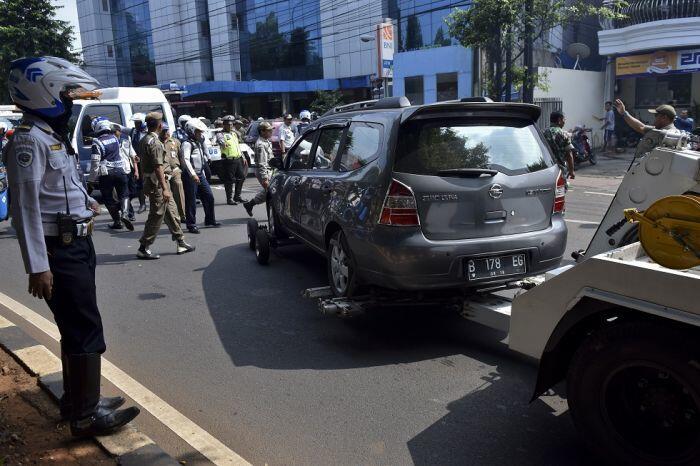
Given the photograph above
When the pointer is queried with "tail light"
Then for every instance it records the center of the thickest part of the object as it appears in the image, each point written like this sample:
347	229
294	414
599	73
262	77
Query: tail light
559	194
399	207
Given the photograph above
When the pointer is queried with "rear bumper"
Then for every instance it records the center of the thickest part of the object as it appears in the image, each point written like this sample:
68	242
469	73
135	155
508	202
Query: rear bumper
406	260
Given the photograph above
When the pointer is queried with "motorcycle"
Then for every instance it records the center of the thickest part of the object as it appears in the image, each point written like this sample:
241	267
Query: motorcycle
581	142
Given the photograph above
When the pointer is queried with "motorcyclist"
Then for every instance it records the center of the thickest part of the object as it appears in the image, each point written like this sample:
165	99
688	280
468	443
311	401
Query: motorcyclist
181	133
305	117
108	168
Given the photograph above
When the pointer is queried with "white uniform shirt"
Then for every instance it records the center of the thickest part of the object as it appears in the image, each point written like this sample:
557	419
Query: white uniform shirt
39	169
287	135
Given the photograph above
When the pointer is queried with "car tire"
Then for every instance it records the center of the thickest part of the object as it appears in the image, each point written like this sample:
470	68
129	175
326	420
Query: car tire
634	394
342	277
262	247
252	231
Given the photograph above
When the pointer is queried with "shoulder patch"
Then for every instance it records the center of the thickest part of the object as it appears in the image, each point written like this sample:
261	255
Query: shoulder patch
24	158
56	147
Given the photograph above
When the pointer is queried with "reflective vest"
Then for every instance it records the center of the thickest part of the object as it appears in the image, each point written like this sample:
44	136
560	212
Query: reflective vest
229	146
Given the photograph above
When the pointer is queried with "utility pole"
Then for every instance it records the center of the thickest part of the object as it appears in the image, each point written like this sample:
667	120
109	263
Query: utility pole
528	85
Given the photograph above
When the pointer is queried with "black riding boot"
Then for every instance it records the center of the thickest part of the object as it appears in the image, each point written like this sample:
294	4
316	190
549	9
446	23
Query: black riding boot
229	193
116	217
65	404
239	188
88	418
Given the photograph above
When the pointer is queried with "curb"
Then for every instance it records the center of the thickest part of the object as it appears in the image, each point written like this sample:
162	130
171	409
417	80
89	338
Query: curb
129	446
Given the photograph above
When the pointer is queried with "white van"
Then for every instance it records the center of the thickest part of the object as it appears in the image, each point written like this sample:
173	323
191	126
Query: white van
117	104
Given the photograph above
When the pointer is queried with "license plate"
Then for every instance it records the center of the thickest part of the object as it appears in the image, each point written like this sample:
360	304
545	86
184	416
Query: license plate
496	266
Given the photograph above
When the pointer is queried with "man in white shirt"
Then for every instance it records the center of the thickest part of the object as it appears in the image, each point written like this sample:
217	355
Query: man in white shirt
287	134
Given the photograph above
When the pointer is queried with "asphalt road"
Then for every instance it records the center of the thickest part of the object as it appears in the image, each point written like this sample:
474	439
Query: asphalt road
234	347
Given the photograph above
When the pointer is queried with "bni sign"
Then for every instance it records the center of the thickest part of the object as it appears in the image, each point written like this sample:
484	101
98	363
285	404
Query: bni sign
385	50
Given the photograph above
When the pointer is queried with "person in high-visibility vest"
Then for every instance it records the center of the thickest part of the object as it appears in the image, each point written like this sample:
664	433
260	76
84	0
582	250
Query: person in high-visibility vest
233	163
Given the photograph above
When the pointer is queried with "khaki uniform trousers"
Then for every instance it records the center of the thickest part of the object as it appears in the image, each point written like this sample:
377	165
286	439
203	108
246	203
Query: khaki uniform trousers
178	191
158	212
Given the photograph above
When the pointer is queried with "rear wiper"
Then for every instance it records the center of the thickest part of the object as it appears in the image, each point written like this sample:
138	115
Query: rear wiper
468	172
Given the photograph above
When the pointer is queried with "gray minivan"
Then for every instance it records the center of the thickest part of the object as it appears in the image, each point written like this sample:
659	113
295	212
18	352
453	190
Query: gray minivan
462	194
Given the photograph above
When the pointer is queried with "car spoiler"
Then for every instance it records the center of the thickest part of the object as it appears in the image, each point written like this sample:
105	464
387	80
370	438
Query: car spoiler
528	112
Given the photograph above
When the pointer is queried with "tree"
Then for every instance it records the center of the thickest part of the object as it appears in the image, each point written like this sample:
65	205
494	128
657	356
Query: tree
326	100
30	28
414	36
269	48
440	39
503	30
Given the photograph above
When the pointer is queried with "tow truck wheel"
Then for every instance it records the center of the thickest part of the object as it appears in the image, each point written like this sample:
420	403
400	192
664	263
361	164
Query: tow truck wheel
341	267
262	247
634	394
252	231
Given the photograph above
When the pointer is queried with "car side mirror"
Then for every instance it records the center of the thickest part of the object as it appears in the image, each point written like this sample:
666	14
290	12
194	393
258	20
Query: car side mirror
276	163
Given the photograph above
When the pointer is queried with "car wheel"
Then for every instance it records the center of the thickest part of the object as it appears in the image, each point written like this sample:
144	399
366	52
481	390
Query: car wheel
341	267
252	231
262	247
634	393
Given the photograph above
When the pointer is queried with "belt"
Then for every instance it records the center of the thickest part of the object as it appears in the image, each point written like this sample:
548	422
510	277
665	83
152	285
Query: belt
83	228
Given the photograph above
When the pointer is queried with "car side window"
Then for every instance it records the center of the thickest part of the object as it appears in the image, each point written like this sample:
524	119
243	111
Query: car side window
327	148
146	108
300	156
111	112
361	145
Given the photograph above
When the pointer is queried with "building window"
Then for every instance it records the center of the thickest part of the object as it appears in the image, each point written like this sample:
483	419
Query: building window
105	5
413	87
204	28
446	86
110	51
657	90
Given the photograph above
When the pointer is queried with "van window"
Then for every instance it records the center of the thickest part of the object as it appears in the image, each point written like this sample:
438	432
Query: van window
426	147
361	146
300	156
147	108
111	112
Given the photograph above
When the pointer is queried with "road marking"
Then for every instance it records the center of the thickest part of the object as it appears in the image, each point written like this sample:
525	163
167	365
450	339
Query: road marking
582	222
599	194
187	430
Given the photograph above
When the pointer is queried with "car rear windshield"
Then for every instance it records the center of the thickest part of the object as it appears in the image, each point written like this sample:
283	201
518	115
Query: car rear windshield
427	147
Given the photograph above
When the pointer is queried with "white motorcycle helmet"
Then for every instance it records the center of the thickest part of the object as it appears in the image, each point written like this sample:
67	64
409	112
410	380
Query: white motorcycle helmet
305	114
36	84
138	117
195	124
182	120
101	125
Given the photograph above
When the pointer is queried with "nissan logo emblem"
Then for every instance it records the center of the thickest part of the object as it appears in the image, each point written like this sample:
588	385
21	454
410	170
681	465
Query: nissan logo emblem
496	191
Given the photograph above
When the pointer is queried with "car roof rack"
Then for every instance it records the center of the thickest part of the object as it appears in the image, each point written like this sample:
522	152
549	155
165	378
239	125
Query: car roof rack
385	103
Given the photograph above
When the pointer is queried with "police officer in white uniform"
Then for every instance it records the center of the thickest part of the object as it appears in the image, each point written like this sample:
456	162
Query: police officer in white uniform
52	214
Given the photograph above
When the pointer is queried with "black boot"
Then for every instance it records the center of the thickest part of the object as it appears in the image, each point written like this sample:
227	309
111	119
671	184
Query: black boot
65	404
239	188
114	213
229	194
88	418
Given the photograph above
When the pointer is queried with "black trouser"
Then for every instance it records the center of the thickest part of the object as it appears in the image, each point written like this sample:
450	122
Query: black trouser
233	171
203	190
74	299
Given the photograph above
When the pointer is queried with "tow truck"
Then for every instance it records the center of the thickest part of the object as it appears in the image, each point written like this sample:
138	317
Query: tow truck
621	326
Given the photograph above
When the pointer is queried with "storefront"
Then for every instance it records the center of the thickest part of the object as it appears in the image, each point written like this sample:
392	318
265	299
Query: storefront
646	81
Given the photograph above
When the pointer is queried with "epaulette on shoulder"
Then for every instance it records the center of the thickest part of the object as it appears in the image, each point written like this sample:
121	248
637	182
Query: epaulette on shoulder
25	126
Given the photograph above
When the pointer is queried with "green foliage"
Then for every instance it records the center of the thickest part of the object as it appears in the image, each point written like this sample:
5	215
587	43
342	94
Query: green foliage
494	26
326	100
414	36
30	28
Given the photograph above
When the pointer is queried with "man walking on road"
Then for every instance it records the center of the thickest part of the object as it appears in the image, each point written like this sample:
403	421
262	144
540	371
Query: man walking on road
156	175
232	163
194	180
560	143
53	216
172	157
608	127
263	172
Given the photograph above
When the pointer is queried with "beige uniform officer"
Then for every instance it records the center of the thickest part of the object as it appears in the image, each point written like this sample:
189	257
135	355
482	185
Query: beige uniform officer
156	173
263	172
172	157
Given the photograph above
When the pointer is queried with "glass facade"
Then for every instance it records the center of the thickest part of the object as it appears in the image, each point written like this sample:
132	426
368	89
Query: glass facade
133	42
280	40
421	23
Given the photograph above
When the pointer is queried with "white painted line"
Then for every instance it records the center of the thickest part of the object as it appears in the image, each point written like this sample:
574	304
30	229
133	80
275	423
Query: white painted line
4	323
599	194
39	360
582	222
198	438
